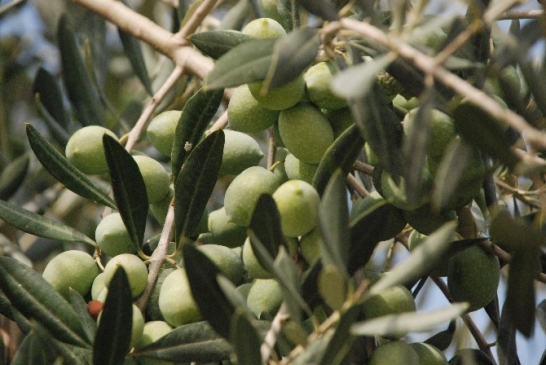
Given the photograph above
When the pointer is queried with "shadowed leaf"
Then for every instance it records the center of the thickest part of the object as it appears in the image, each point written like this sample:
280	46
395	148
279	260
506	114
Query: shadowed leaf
245	339
13	175
340	343
51	97
322	8
133	51
266	225
129	189
443	339
216	43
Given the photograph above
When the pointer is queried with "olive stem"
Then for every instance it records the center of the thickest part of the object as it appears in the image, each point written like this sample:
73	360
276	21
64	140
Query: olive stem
360	189
271	336
143	120
158	257
430	65
521	14
480	340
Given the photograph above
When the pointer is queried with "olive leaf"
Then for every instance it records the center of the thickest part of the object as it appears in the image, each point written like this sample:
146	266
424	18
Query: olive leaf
51	97
13	175
215	43
133	50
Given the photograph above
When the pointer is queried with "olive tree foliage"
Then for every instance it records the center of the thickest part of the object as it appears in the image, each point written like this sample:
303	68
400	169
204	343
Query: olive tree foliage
388	57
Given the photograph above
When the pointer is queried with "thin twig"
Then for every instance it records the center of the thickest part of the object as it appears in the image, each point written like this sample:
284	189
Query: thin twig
271	336
429	65
220	123
140	126
195	21
521	14
360	189
158	257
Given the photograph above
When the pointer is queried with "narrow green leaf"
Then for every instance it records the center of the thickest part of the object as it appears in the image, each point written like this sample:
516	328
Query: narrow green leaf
407	322
332	285
324	9
211	300
31	351
341	341
35	298
380	128
236	16
63	170
380	224
236	299
133	51
40	226
116	321
507	351
485	133
245	63
129	189
195	183
266	225
216	43
420	262
57	131
197	342
13	175
334	223
290	285
245	339
80	307
341	154
81	91
291	56
357	81
196	116
442	340
51	96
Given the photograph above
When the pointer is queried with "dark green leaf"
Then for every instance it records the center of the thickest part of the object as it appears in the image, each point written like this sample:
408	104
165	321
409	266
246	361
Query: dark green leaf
482	131
332	285
266	225
197	342
66	173
245	63
51	97
35	298
116	321
334	223
80	307
82	93
245	339
380	128
216	43
367	230
195	183
342	340
13	175
341	154
291	56
443	339
133	51
321	8
235	297
506	341
290	14
290	285
31	351
129	189
196	116
236	17
211	300
57	131
40	226
356	82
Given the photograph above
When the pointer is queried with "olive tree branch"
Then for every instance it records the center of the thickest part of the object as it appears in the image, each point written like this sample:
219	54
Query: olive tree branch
158	257
521	14
429	65
195	20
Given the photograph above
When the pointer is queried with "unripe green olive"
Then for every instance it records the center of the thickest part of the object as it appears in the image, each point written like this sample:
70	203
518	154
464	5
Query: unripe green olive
270	10
394	353
310	246
161	131
245	190
152	332
246	115
222	231
305	132
264	28
298	204
279	98
428	354
253	267
112	236
318	80
71	269
155	178
97	286
176	301
86	151
299	170
240	152
160	209
265	298
226	260
136	270
473	276
152	309
442	130
393	300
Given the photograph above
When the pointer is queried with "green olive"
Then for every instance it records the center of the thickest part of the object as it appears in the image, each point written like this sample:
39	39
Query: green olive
86	151
161	131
